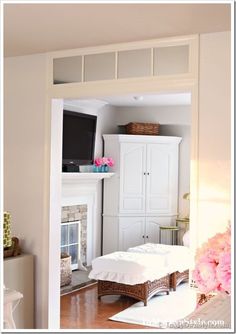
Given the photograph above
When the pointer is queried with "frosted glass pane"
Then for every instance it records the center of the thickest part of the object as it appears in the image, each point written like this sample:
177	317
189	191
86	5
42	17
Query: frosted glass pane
135	63
171	60
67	70
73	233
99	67
73	251
64	235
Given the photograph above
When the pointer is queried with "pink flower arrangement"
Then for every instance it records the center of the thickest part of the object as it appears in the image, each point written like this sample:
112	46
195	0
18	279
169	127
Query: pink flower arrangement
109	162
213	264
104	161
98	162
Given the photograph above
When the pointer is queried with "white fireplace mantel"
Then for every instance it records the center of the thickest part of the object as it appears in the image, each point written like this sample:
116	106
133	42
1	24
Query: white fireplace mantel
84	177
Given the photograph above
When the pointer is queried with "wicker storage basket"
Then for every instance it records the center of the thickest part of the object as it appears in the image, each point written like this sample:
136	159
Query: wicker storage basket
142	129
66	272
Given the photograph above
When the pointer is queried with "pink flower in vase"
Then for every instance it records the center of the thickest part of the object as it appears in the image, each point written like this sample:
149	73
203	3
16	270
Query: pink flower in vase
105	161
110	162
98	162
213	264
205	276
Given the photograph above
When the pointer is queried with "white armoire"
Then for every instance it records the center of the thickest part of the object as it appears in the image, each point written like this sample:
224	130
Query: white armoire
143	193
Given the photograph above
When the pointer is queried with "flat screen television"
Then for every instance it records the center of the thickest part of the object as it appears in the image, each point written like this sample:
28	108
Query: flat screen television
79	132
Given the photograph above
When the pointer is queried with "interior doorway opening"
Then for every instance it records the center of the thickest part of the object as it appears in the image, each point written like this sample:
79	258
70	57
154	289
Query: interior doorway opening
171	110
56	178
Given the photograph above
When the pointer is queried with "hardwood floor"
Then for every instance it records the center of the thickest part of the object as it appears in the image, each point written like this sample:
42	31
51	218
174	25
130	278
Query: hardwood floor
82	309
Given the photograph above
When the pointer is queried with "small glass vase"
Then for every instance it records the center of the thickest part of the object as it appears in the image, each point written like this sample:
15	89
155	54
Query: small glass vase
96	169
104	168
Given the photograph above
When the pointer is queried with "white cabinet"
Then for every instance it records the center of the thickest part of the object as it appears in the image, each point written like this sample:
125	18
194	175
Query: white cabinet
144	191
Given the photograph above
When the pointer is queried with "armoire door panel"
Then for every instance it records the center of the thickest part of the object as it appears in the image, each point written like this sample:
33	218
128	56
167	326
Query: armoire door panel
152	230
131	232
161	204
132	203
132	179
158	178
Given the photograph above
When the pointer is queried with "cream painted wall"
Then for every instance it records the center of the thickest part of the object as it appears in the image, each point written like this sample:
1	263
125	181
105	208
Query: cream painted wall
174	121
214	134
26	146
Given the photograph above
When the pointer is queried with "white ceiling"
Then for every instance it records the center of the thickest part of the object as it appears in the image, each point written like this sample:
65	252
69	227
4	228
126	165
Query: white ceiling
149	100
37	28
135	100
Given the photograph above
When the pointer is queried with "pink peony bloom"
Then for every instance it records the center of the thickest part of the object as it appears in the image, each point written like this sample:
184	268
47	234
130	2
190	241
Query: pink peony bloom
213	264
105	161
217	244
98	162
205	276
110	162
223	271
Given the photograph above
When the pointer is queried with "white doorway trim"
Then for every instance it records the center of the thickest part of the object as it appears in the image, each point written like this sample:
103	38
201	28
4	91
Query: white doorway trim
56	113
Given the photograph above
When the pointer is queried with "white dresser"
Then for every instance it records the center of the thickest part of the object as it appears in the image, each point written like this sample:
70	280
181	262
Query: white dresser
143	193
19	275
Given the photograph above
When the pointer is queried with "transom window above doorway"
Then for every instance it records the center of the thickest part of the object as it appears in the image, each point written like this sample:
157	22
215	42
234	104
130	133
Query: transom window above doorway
158	58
